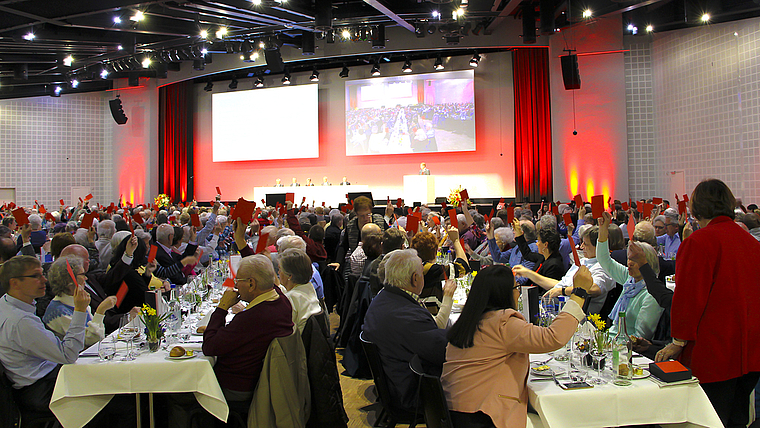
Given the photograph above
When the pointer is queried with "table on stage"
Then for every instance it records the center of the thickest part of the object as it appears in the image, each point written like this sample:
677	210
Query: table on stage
330	195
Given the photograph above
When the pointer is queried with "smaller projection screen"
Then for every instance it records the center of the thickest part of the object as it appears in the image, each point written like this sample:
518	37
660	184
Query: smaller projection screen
419	113
261	124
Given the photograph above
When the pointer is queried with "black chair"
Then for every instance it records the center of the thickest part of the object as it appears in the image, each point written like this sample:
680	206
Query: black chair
388	415
432	397
12	416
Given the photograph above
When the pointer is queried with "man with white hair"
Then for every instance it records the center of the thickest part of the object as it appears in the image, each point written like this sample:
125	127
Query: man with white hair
502	253
401	327
106	230
170	264
670	240
38	236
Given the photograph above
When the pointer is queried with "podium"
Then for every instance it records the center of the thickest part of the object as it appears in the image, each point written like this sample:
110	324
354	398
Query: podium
419	188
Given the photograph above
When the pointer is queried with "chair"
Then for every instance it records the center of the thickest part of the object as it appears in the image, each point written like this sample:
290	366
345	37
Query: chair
12	416
432	397
388	414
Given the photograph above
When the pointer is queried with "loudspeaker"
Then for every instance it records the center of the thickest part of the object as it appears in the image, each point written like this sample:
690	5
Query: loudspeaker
570	74
274	61
307	43
117	112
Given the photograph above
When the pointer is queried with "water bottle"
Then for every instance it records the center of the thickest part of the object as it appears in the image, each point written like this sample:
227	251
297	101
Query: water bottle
622	354
175	310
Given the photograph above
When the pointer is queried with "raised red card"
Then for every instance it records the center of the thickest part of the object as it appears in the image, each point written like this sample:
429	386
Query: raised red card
80	200
263	203
49	217
244	210
631	227
624	205
109	210
290	197
681	207
640	207
648	210
597	205
408	211
218	192
87	221
323	204
61	201
436	220
303	200
555	210
42	209
399	203
656	201
443	206
576	259
464	196
510	214
686	198
152	253
229	283
71	274
172	218
263	238
490	215
88	197
123	289
501	201
138	218
566	218
195	220
453	218
412	224
578	201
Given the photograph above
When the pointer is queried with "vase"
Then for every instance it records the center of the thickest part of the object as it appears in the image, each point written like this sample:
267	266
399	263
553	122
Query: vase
153	344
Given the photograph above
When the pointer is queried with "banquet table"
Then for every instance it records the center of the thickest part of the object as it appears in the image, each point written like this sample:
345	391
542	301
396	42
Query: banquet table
644	402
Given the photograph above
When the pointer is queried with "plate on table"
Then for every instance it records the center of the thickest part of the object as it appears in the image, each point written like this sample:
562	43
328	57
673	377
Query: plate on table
643	375
545	371
183	357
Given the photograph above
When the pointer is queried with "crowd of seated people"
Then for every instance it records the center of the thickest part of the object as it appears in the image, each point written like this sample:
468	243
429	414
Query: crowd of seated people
395	283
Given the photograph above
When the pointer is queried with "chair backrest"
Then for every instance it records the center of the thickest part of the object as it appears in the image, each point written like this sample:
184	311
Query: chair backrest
8	410
432	396
378	373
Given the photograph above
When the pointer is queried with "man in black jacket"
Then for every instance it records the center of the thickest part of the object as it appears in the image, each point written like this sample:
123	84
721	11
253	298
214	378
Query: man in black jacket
170	264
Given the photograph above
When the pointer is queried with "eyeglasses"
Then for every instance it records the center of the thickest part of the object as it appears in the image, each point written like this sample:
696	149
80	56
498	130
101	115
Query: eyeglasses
659	227
237	281
36	276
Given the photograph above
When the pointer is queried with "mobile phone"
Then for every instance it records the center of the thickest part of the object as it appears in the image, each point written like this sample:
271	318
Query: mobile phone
574	385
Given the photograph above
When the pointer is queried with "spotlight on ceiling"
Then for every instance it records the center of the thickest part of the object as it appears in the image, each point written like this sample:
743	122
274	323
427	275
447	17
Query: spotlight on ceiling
344	73
346	34
104	74
117	19
407	67
587	13
259	83
475	60
209	86
119	48
221	32
203	34
56	91
706	17
650	28
375	70
68	61
436	14
286	78
138	16
74	83
146	62
314	76
29	36
256	2
438	66
233	84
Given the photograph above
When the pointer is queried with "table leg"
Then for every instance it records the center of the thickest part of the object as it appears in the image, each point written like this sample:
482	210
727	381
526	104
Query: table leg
150	411
137	407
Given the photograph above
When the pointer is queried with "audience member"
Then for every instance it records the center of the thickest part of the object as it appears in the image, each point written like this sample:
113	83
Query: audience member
106	230
170	264
513	256
295	275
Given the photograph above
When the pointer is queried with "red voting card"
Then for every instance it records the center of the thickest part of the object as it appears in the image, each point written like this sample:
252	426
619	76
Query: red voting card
576	259
453	218
656	201
49	217
443	206
61	201
36	203
648	210
408	211
195	220
109	210
464	196
290	197
123	289
624	205
172	218
152	253
436	220
42	209
88	197
71	274
640	207
229	283
686	198
12	205
399	203
578	200
349	207
490	215
138	218
263	203
323	204
80	200
263	238
566	218
303	200
244	210
510	214
681	207
555	210
597	205
218	192
412	224
501	201
631	227
87	221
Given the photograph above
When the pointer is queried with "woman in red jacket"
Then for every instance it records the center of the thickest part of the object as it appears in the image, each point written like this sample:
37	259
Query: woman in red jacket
714	318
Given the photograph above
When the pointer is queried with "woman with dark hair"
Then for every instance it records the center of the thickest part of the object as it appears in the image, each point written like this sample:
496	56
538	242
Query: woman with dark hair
137	284
548	259
426	245
714	320
486	370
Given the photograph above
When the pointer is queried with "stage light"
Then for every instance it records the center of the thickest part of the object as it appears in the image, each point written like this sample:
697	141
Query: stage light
407	67
346	34
436	14
233	84
286	79
209	86
454	14
68	61
119	48
256	2
706	17
74	83
587	13
259	83
204	51
146	62
138	16
104	74
221	32
314	76
475	60
375	70
254	56
117	19
630	27
438	66
344	73
56	91
204	34
650	28
262	45
460	12
29	36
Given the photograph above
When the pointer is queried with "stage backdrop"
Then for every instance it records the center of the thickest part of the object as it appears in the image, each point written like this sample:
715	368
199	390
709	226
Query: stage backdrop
494	113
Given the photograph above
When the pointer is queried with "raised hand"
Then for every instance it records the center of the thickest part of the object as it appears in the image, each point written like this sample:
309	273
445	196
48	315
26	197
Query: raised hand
517	227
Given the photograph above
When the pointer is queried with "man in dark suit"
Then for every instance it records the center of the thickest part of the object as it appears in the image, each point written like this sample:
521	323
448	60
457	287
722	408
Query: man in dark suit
401	327
170	264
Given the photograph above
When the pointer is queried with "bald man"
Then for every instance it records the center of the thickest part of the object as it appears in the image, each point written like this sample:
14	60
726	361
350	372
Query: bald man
358	257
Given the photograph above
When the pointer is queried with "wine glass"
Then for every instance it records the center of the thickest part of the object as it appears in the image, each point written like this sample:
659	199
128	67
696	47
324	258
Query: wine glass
127	332
106	349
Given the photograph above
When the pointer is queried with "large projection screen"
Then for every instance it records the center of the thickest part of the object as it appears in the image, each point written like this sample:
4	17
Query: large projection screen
420	113
262	124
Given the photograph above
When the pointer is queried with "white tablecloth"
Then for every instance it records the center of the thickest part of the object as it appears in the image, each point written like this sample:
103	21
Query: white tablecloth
644	402
83	389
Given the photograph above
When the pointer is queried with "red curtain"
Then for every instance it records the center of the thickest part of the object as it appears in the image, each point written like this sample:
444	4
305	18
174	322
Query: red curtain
176	141
533	133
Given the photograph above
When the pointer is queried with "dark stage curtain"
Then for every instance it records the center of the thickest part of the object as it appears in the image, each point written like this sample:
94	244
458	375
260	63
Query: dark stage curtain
533	132
175	144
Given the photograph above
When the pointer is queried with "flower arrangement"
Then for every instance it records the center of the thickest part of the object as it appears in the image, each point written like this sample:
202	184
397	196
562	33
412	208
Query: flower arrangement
161	200
153	328
455	198
601	338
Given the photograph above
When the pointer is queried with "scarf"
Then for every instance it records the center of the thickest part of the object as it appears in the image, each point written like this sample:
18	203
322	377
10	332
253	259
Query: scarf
631	289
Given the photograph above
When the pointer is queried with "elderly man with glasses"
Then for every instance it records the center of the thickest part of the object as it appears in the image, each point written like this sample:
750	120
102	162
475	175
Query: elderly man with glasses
670	240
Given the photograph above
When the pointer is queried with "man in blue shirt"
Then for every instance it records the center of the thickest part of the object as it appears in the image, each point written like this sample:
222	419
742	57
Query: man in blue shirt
512	256
670	241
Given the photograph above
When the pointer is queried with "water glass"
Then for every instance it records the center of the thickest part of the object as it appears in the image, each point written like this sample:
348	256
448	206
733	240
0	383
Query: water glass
128	332
106	349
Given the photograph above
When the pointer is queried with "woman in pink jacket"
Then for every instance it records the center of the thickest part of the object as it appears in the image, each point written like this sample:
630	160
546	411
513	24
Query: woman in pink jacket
486	370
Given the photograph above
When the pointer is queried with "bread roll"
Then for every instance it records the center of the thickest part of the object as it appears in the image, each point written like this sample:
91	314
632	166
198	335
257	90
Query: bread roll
201	329
177	351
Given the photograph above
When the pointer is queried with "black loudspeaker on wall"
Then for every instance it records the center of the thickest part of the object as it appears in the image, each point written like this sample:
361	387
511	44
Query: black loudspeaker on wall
570	74
117	112
274	60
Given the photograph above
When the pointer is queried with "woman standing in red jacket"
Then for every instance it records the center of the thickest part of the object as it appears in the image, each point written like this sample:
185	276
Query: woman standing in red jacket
714	318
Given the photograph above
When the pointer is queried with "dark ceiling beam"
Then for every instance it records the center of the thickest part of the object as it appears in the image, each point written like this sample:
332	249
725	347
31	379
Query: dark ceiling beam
390	14
252	17
508	9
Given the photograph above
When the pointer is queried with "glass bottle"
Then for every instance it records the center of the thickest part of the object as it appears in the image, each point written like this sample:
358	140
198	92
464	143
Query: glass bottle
622	354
